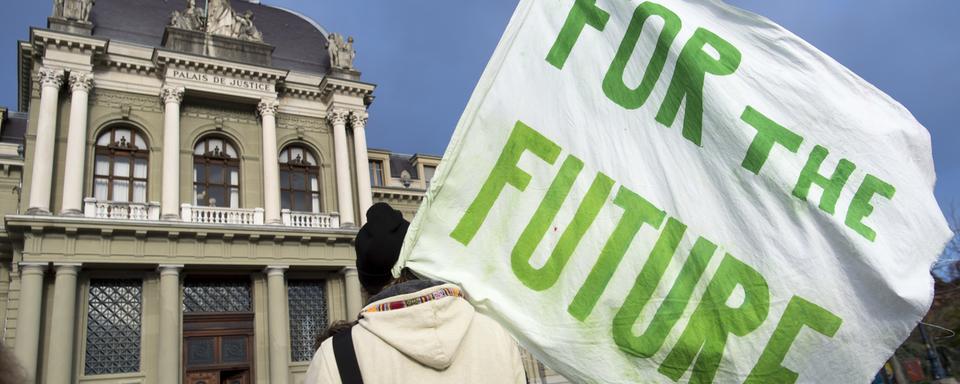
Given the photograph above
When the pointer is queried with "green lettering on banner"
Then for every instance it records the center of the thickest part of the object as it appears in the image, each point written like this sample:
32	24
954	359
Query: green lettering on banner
647	344
583	13
799	313
613	85
636	212
687	83
547	275
768	134
831	187
860	206
705	336
505	171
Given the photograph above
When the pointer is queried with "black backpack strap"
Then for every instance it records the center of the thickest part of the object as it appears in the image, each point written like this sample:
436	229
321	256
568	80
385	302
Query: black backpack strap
346	357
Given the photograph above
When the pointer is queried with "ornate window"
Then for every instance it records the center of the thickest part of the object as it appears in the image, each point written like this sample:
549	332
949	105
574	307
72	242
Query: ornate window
216	174
120	166
376	173
299	184
113	327
216	296
308	316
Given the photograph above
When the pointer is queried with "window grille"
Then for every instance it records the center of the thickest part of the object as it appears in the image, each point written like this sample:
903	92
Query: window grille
216	296
113	327
308	316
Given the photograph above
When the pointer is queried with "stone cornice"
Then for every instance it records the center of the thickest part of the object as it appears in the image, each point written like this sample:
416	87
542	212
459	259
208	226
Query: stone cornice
163	57
43	39
331	85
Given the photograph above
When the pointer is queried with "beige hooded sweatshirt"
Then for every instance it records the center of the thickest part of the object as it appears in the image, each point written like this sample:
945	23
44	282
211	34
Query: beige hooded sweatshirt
438	341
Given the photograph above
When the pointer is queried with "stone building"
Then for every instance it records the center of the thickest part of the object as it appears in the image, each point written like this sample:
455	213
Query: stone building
180	192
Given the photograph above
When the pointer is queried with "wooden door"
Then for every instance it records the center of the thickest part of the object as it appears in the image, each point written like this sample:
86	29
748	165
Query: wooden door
218	348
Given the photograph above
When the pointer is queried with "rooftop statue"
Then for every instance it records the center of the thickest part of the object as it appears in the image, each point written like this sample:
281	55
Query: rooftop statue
221	20
189	19
78	10
341	52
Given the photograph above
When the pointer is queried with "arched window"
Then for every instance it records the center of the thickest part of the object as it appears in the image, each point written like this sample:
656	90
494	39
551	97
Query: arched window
216	173
299	184
120	165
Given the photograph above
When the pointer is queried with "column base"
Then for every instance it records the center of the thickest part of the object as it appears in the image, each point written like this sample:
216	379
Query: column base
36	211
348	225
71	213
274	222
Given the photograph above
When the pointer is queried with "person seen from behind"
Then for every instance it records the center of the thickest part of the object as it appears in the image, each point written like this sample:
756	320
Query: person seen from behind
412	330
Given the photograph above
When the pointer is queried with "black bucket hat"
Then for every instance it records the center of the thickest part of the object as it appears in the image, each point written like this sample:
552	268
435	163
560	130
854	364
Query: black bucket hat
378	245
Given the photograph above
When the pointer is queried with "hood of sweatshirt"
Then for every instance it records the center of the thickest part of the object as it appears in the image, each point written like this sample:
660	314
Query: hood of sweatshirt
426	329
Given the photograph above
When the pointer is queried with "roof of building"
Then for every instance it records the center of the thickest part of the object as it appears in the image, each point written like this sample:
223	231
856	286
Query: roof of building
14	128
299	41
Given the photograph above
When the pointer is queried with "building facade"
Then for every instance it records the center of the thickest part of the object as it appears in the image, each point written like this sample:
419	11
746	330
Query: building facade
185	184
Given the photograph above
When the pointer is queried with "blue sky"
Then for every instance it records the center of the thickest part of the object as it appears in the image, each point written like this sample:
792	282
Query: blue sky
427	55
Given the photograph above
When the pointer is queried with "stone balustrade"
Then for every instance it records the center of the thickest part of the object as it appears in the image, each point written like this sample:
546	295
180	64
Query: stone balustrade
309	220
219	215
92	208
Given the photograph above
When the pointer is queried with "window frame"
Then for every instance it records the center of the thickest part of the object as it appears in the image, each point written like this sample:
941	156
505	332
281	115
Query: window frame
290	167
116	150
210	157
376	173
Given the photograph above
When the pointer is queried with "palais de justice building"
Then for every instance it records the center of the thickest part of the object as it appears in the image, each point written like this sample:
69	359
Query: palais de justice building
180	191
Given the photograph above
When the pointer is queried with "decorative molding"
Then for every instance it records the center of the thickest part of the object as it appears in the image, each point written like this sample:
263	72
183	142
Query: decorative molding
172	95
268	107
226	115
81	81
50	77
296	122
118	99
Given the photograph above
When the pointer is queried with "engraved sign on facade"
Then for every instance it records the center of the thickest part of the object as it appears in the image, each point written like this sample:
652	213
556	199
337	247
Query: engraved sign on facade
230	82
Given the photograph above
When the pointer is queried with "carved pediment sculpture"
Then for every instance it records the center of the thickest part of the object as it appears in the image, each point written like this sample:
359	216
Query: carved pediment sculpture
78	10
221	20
341	52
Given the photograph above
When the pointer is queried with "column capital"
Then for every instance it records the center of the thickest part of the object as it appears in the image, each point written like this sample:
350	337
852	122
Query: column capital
50	77
358	119
274	270
268	107
169	269
71	268
33	267
338	116
171	94
81	81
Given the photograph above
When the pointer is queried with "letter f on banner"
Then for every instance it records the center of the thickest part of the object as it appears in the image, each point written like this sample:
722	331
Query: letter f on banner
505	171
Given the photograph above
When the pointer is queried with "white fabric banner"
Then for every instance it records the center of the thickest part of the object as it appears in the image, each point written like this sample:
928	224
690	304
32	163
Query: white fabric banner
682	191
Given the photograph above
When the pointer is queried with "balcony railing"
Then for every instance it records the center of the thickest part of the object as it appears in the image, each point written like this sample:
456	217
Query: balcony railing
218	215
93	208
310	220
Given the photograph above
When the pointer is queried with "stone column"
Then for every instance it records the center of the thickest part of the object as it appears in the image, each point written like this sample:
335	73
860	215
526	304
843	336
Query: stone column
63	320
168	354
170	196
278	320
365	197
354	296
42	174
72	204
341	158
271	167
28	318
